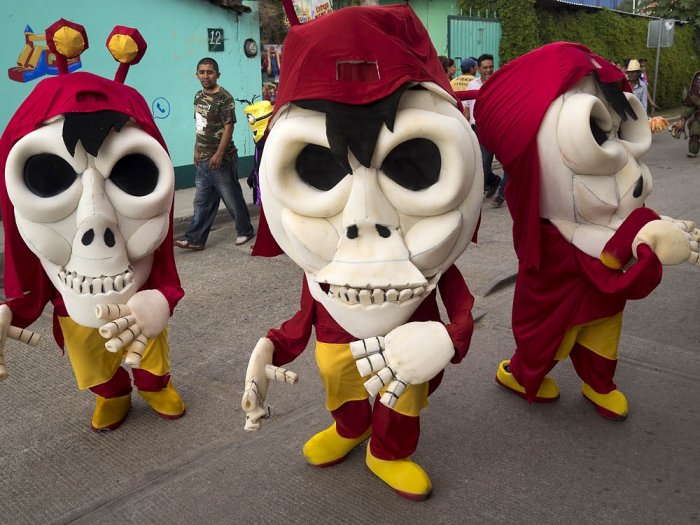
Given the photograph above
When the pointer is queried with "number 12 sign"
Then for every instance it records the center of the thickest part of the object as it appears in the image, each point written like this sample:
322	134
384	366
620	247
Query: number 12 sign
215	37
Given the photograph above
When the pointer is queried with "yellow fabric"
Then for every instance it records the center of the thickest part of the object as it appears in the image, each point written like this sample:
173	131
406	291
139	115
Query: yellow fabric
600	336
343	382
110	412
328	447
614	401
402	475
93	364
123	48
166	401
69	42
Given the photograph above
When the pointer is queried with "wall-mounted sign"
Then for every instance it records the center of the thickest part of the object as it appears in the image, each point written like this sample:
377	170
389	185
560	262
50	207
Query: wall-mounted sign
215	37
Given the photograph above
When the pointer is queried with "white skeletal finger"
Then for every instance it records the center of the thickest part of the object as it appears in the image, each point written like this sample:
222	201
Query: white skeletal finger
135	351
365	347
378	381
393	392
123	339
119	324
111	311
23	335
369	364
694	258
280	374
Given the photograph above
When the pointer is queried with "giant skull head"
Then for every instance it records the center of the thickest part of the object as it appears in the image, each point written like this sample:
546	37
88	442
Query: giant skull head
375	188
88	185
590	144
93	208
571	144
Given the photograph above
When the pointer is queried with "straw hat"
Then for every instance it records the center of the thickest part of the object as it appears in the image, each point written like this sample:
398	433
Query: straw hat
633	66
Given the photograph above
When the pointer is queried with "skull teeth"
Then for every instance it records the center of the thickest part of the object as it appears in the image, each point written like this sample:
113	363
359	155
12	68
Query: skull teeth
367	297
83	285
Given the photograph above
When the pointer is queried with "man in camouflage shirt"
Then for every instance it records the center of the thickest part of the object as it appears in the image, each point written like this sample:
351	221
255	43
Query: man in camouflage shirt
216	160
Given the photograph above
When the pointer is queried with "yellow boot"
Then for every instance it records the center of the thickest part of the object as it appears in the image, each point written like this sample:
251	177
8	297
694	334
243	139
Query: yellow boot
166	402
546	393
612	405
328	448
407	478
110	412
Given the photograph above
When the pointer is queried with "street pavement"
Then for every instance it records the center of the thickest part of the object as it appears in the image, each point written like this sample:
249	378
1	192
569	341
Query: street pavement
492	457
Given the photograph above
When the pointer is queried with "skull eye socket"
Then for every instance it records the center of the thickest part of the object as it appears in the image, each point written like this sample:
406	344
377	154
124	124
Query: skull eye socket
414	164
135	174
47	175
318	168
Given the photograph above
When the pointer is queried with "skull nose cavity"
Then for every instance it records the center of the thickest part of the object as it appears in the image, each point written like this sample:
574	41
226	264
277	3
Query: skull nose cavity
352	232
109	238
89	236
383	231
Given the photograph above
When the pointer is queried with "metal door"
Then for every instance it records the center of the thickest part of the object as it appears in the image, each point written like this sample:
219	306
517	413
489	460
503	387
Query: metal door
469	36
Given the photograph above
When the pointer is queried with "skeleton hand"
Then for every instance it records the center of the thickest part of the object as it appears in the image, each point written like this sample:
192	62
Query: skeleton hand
409	355
257	380
673	241
143	317
18	334
678	130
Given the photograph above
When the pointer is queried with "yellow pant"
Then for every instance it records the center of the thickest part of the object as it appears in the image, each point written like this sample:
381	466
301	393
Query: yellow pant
600	336
93	364
343	382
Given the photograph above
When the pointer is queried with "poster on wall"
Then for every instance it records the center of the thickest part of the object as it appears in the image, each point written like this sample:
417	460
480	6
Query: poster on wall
36	60
309	9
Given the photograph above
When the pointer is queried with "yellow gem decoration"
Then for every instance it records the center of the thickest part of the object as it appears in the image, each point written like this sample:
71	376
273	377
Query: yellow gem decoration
123	48
69	42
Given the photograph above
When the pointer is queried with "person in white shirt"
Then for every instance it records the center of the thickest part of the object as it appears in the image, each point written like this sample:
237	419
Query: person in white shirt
492	182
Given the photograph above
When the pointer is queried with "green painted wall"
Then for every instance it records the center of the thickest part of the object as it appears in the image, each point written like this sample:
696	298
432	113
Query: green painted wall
176	33
433	14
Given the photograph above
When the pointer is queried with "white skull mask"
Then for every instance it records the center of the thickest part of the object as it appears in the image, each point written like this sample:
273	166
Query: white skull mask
373	243
591	175
94	221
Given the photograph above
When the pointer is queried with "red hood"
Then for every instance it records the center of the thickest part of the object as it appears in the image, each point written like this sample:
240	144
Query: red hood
509	110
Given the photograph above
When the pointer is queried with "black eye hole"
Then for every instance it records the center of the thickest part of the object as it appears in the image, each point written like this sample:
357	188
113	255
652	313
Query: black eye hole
598	134
318	168
47	175
135	174
414	164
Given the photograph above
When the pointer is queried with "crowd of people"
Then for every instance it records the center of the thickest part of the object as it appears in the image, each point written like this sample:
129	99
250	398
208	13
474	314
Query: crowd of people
476	72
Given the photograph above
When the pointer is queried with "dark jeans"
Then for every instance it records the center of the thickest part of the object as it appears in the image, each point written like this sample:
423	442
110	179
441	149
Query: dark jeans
212	186
490	178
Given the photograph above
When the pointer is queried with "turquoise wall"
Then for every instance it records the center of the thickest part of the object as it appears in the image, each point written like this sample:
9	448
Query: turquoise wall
433	14
176	34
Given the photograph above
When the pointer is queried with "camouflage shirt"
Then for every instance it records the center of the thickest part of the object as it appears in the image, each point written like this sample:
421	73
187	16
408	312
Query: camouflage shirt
211	112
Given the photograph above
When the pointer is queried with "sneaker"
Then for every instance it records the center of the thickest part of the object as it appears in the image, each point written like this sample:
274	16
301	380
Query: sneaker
692	155
187	245
497	202
493	187
242	239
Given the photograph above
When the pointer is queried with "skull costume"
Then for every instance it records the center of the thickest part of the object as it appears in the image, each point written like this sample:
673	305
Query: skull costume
86	196
571	144
371	182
